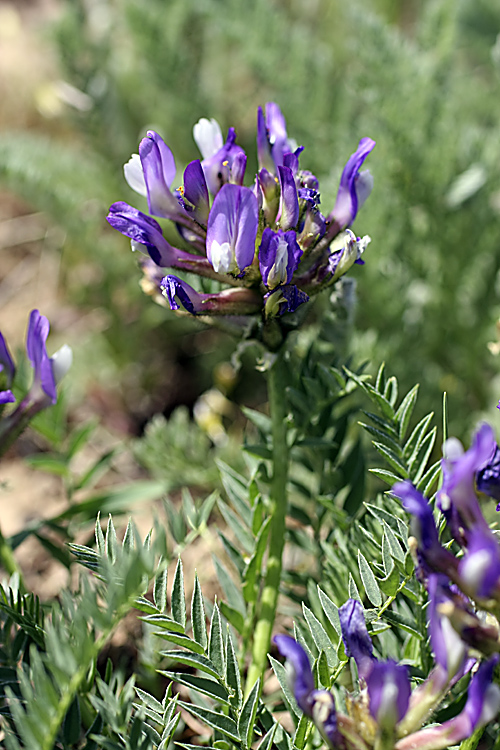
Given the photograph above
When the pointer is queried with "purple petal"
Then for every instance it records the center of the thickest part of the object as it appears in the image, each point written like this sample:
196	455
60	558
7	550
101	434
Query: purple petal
279	257
479	569
389	691
232	301
312	228
291	160
263	148
144	230
351	194
432	556
158	166
175	289
196	191
448	648
276	129
483	697
308	180
232	229
415	503
324	715
488	478
6	362
238	167
288	213
283	299
345	251
7	397
300	674
457	497
483	704
38	330
357	642
218	167
269	192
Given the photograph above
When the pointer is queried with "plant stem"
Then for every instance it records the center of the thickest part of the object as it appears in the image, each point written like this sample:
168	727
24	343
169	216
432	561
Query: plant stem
277	379
8	561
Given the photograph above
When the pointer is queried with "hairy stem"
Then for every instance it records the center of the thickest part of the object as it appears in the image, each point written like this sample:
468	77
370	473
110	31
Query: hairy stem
278	506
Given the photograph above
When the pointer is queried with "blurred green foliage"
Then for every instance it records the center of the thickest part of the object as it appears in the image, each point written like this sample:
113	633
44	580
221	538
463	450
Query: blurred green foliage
419	78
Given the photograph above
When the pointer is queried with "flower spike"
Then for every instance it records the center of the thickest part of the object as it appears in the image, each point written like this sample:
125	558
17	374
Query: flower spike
270	239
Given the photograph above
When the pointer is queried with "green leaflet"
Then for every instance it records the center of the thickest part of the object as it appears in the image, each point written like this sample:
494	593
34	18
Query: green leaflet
369	581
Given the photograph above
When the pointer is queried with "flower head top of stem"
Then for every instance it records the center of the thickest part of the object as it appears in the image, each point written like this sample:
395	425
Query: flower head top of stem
269	238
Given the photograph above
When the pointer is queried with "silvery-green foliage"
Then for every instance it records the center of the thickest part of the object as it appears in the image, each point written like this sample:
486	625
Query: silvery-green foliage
58	669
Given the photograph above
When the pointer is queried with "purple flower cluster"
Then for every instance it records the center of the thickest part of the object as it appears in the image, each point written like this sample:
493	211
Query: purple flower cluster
269	242
386	712
476	571
48	371
463	587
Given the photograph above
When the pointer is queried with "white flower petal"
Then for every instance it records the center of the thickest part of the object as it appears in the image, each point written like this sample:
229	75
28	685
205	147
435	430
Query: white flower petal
61	362
208	137
134	175
222	257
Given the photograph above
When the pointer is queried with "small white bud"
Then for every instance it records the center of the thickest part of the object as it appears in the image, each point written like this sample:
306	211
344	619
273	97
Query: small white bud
61	362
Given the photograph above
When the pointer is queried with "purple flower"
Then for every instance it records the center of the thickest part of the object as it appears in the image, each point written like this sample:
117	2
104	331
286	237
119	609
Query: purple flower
415	503
299	671
279	257
232	229
312	226
347	249
38	330
228	302
225	165
8	368
47	373
317	704
144	230
324	715
268	192
357	642
488	477
196	192
432	556
457	497
448	648
158	167
283	299
175	289
479	569
272	140
288	212
355	186
7	397
483	704
483	697
389	691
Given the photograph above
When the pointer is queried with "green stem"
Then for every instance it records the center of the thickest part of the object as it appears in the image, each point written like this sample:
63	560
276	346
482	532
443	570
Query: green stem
277	379
7	560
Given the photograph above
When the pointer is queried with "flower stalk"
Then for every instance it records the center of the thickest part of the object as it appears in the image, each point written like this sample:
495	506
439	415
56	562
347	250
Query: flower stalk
278	507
